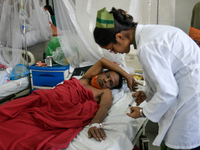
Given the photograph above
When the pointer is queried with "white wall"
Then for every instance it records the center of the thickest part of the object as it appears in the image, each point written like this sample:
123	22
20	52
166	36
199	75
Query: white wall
172	12
156	12
184	13
44	2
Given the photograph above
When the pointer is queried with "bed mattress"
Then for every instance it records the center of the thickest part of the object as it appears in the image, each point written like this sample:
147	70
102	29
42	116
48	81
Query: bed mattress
120	129
13	86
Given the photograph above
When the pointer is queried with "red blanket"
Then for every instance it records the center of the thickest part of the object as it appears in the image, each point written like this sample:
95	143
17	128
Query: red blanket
46	119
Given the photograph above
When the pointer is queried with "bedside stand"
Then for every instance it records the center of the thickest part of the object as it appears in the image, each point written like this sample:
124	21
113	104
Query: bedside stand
47	77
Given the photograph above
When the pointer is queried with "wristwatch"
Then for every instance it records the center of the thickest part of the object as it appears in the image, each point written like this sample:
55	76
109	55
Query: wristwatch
141	112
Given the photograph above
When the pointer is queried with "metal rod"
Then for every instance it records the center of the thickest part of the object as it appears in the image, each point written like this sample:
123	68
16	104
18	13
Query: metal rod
158	10
25	45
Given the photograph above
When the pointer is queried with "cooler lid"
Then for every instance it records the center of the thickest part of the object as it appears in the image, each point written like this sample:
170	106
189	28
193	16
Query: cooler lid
55	67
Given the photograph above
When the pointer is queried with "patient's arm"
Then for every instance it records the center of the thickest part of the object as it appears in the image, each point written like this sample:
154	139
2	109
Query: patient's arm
105	63
105	103
104	97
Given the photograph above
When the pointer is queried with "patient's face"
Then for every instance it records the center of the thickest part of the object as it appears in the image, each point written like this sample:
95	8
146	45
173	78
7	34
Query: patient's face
108	80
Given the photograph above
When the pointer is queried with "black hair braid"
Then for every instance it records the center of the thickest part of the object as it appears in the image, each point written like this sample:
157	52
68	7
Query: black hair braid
122	17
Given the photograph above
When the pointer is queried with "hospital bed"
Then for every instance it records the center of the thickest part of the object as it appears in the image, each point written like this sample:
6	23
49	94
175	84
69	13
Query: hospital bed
17	88
122	131
24	25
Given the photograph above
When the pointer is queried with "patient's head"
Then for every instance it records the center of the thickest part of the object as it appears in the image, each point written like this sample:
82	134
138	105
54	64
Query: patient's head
107	80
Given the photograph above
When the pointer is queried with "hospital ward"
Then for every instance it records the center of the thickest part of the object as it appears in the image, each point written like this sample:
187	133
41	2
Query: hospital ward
99	75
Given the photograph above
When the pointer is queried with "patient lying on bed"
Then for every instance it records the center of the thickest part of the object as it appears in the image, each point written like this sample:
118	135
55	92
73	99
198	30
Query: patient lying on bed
51	118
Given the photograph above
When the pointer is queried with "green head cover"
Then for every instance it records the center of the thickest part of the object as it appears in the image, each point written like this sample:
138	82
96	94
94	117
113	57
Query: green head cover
104	19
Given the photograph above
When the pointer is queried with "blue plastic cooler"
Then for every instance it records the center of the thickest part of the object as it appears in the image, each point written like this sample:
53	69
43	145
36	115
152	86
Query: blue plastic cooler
47	77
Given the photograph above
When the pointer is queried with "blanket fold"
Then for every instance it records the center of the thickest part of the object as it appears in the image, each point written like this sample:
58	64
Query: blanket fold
48	118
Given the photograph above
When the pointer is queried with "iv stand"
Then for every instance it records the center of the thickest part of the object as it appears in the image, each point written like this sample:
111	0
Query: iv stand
23	16
158	10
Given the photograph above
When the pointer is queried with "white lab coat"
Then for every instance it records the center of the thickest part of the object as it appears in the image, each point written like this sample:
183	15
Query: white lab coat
171	65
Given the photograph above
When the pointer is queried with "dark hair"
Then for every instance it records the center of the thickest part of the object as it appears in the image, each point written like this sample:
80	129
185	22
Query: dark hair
122	22
48	7
120	80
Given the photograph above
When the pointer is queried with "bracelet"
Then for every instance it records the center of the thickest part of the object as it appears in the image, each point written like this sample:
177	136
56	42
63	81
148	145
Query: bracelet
97	125
141	112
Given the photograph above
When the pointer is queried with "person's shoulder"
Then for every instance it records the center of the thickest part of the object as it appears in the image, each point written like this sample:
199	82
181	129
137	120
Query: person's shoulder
84	81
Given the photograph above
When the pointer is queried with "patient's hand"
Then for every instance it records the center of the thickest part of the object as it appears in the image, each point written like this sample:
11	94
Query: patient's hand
132	84
97	133
140	97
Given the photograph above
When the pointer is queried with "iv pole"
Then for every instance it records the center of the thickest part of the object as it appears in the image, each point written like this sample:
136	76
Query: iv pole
158	10
23	16
149	12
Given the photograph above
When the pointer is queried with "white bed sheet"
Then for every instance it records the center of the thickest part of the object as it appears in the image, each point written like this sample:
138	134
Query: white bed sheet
120	128
13	86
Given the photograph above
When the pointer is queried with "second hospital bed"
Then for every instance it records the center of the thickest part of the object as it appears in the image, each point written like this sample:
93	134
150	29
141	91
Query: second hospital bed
17	88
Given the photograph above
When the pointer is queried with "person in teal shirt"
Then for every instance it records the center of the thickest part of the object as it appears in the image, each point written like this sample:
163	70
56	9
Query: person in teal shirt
53	18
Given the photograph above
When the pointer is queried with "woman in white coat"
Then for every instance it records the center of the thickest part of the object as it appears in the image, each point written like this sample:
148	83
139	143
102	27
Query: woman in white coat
170	61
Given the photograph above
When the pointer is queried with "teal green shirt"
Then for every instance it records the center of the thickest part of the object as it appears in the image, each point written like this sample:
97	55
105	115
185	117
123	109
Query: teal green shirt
53	18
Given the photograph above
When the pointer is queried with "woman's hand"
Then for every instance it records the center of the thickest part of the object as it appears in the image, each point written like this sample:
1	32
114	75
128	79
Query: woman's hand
140	97
134	112
132	84
97	133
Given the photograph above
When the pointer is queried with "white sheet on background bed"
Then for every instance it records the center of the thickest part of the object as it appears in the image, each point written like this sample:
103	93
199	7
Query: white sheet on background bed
13	86
120	128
